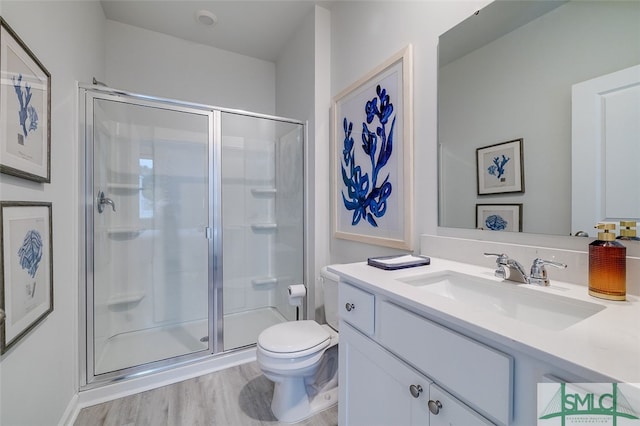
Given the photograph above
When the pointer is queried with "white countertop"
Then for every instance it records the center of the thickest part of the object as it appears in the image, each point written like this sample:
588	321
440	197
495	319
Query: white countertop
607	343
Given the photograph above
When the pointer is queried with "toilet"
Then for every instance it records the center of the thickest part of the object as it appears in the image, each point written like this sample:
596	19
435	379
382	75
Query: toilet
301	358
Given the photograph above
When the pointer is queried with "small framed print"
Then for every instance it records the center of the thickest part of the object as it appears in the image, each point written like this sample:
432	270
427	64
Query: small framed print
26	280
499	217
25	107
500	168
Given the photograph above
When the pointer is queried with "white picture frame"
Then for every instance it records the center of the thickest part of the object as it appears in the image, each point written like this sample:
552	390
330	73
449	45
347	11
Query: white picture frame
372	156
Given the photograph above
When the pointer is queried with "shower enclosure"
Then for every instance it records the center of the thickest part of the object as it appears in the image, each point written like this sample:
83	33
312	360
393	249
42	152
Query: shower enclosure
194	221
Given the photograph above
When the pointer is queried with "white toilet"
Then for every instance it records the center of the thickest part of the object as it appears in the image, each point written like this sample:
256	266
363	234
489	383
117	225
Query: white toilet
301	358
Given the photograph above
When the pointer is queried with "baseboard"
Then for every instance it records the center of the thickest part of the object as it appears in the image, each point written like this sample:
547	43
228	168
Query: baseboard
71	413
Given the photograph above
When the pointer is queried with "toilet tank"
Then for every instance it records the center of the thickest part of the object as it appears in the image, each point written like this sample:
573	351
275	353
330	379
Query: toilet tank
330	290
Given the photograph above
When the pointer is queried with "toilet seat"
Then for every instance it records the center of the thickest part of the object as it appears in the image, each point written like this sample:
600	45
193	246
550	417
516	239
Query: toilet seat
298	338
301	359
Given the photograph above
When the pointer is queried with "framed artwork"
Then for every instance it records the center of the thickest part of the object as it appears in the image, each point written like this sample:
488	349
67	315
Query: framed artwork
499	217
25	108
500	168
26	281
372	178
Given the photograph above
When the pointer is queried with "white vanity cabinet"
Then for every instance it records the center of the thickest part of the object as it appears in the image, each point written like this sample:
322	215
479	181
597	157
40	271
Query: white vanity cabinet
389	361
375	386
482	366
448	411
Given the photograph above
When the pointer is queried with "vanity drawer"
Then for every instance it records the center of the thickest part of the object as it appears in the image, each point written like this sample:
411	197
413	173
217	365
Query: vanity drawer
448	411
356	307
475	373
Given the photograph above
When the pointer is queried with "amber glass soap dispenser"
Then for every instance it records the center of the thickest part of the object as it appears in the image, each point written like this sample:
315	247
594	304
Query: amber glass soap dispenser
628	230
607	265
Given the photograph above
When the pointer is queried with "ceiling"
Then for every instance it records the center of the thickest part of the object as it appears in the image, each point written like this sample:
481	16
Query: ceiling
254	28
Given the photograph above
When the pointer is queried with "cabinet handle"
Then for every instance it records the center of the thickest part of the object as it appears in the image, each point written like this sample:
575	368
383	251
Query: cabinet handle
434	406
415	390
349	307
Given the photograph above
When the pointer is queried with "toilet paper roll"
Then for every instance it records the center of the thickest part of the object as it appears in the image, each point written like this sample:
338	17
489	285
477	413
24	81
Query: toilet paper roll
297	292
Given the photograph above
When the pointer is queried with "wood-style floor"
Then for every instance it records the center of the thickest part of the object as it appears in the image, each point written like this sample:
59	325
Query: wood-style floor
237	396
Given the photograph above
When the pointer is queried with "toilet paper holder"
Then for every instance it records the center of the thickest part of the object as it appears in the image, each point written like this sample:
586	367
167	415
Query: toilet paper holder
297	293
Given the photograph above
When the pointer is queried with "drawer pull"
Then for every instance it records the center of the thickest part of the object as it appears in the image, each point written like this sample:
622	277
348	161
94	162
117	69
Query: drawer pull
434	406
415	390
349	307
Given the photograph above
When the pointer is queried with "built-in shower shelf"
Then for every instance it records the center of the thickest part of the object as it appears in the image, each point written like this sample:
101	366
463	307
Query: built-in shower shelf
264	282
264	191
126	298
124	232
264	226
130	186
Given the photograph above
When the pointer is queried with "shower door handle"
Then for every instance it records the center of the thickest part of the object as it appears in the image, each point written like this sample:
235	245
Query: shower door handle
2	316
102	200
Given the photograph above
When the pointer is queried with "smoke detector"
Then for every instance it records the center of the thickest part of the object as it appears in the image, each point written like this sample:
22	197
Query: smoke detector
206	18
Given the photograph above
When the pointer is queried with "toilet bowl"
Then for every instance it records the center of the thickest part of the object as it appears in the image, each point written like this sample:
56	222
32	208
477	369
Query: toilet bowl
301	358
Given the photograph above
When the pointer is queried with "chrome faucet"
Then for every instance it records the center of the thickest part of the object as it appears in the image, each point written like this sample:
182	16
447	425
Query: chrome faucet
511	270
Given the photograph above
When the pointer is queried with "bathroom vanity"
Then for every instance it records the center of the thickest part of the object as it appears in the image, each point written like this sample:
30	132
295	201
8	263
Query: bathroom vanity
451	344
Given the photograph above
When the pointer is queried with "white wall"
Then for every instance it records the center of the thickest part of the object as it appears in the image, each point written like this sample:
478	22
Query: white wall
302	92
150	63
527	102
357	48
39	376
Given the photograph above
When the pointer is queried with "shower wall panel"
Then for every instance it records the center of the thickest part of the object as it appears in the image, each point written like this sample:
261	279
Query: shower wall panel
248	220
289	208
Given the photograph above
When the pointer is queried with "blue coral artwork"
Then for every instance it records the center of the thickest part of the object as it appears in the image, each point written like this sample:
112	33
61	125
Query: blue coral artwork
497	169
27	286
366	194
29	276
495	222
25	126
371	157
499	217
30	253
24	121
27	113
500	168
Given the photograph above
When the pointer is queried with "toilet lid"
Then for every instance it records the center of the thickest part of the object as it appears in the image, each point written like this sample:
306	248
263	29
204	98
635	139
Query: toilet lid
293	336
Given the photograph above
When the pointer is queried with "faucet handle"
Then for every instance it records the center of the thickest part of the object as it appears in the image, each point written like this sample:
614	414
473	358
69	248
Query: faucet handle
539	272
541	263
501	260
501	257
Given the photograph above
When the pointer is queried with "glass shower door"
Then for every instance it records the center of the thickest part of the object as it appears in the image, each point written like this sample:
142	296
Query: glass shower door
262	223
151	220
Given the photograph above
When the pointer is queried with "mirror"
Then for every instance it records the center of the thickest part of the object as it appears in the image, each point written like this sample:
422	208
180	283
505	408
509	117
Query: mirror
506	73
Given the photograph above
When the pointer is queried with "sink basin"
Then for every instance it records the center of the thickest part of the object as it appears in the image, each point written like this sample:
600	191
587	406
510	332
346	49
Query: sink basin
541	309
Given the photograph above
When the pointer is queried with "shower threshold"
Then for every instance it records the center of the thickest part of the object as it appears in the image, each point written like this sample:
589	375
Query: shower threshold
159	343
242	328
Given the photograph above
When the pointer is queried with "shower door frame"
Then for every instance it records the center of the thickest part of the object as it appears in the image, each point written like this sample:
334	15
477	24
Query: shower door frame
86	208
87	95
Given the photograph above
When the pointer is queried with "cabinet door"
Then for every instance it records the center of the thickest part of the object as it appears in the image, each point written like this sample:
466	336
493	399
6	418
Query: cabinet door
448	411
375	385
